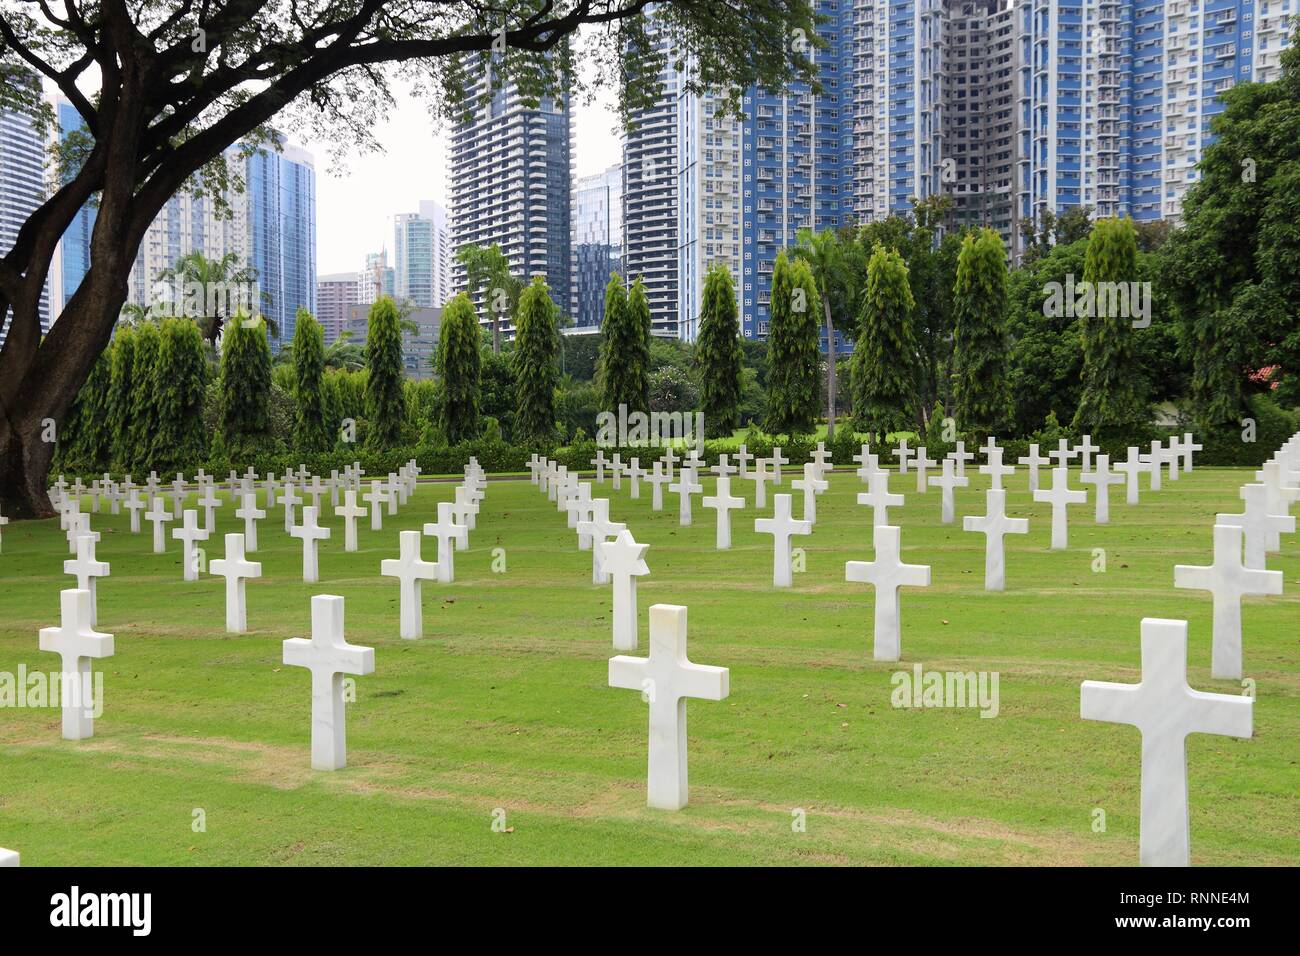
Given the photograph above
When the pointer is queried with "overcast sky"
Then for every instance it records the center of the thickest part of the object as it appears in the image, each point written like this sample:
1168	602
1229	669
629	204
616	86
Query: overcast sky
355	207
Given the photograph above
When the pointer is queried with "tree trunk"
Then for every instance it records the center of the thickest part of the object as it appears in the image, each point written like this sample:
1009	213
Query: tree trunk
496	332
24	464
830	370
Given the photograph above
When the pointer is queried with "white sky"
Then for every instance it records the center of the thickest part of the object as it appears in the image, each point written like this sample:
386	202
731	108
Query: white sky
355	207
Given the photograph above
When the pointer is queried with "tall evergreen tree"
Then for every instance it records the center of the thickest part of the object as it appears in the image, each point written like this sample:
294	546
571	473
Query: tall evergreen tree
180	385
144	410
884	354
537	343
719	354
86	441
640	323
310	430
1110	398
118	412
792	354
980	346
385	401
245	387
611	362
458	364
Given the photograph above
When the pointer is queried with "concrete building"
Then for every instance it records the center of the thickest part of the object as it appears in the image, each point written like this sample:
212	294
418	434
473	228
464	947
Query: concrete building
597	242
419	347
336	294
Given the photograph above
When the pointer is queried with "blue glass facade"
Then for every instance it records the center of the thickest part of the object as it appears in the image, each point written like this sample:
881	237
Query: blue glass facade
281	221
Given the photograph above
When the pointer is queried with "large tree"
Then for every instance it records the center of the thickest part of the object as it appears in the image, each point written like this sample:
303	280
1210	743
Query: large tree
385	400
310	430
980	335
792	349
487	270
537	345
884	393
165	87
622	373
179	389
718	352
458	365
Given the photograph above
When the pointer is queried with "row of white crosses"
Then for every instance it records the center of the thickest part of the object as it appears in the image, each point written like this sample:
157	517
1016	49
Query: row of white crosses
1162	705
665	677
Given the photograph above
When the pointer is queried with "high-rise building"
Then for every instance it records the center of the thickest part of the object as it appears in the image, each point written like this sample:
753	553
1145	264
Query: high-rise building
650	172
336	293
72	258
280	210
597	242
413	259
510	185
419	337
377	279
22	188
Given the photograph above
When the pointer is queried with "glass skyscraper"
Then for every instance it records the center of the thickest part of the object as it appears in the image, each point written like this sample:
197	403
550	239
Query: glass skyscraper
597	242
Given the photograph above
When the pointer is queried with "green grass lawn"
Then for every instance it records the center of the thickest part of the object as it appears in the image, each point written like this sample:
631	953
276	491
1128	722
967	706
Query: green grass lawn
504	704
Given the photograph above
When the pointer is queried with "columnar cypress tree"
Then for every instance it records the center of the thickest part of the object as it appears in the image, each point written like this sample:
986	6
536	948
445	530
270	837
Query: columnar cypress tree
611	362
537	342
792	353
310	431
639	322
1110	397
118	413
884	354
385	403
180	383
980	346
719	354
245	387
458	365
144	412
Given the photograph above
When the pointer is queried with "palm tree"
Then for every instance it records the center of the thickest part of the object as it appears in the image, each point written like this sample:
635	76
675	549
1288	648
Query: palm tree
824	255
341	354
490	269
196	268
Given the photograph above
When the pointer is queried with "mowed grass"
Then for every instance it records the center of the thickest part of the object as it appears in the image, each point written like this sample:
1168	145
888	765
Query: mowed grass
503	705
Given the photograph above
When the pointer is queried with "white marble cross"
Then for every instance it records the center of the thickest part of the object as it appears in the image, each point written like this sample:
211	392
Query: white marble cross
87	570
1228	580
250	514
1165	709
994	468
178	494
867	463
600	529
1153	461
310	532
634	475
960	455
922	464
1172	455
743	458
600	461
445	530
1086	448
1279	496
811	486
1187	448
580	509
781	526
209	502
616	471
723	469
1064	453
624	561
669	459
328	656
394	492
78	524
1257	524
995	525
902	453
777	460
134	504
289	498
1131	467
188	534
1059	496
376	497
466	509
349	511
410	569
315	489
760	476
684	487
879	498
1103	478
658	477
888	573
665	679
235	568
158	516
77	643
723	501
822	459
947	481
